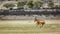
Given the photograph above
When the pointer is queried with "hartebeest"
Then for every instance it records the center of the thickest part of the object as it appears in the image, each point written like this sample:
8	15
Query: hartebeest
39	21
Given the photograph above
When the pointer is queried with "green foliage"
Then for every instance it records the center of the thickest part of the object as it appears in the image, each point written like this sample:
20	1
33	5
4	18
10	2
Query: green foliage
8	5
57	6
37	4
20	3
30	4
50	4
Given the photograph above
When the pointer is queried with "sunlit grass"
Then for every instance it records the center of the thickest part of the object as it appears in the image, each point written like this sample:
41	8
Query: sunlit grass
34	28
28	27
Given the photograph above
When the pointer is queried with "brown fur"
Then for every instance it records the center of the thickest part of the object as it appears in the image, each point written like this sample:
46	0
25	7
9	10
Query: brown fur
39	21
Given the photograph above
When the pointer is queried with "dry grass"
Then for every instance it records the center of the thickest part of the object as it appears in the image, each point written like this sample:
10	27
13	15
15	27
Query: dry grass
17	27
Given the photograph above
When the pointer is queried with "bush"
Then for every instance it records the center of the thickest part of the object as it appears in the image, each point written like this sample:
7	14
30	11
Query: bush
8	5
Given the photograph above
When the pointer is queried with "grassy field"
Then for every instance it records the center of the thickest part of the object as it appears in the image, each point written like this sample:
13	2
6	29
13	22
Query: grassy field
18	27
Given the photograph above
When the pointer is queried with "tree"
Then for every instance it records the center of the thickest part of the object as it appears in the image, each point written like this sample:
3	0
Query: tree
57	6
8	5
30	4
21	3
37	4
50	4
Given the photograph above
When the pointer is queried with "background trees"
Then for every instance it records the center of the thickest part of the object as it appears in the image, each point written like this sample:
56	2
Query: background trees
50	4
20	3
57	6
37	4
8	5
30	4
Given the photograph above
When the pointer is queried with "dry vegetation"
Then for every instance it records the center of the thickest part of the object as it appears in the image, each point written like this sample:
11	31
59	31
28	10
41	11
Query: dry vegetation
27	27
